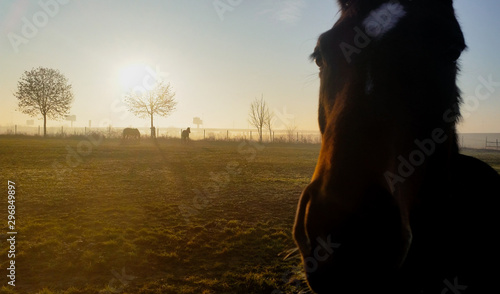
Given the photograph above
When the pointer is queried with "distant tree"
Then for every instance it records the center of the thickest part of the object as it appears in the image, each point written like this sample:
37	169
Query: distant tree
259	113
269	122
157	101
44	91
290	131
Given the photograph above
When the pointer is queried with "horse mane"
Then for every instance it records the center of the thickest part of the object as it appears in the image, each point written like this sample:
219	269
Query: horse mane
357	7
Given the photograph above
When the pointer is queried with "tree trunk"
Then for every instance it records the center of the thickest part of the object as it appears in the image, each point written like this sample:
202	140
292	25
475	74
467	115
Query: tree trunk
44	125
153	131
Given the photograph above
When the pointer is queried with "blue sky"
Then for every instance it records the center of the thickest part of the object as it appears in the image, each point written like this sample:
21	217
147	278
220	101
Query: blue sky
217	61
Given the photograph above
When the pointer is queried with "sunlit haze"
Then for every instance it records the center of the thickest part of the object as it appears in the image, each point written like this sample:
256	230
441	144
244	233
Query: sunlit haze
217	58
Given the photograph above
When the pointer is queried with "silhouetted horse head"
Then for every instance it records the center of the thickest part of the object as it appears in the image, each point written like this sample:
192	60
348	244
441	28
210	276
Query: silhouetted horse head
388	106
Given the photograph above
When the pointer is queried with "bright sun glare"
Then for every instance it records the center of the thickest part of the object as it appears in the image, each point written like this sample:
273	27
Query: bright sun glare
132	76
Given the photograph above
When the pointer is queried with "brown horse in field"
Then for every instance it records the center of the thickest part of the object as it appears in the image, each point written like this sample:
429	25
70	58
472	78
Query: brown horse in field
185	135
130	133
407	214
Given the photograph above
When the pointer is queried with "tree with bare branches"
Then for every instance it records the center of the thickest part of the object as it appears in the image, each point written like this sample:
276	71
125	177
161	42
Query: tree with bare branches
291	128
269	122
159	100
260	116
44	91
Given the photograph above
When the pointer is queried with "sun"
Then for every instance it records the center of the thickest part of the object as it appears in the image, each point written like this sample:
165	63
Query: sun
132	76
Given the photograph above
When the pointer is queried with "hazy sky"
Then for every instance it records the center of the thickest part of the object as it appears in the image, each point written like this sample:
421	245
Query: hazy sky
217	61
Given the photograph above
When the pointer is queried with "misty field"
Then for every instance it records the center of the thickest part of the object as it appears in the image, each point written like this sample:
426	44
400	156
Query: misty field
101	216
105	217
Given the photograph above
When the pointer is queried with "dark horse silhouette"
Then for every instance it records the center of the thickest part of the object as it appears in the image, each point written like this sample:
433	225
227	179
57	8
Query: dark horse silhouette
185	135
130	133
407	214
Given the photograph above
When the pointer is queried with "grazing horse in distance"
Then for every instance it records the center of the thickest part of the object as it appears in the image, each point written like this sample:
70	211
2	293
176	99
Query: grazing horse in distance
130	133
185	135
409	214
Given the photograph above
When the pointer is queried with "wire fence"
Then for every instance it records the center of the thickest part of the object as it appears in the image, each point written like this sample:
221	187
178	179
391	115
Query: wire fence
466	140
300	136
480	140
492	144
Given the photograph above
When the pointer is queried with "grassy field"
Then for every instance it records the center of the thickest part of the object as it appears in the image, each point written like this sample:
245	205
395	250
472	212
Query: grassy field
98	216
492	157
103	217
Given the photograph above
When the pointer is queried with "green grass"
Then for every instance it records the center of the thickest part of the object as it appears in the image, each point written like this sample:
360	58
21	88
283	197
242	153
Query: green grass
209	217
492	157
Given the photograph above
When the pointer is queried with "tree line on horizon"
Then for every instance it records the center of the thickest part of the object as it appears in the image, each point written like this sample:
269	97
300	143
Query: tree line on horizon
47	92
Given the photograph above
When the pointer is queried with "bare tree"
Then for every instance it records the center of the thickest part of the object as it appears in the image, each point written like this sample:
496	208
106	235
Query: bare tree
259	111
44	91
290	131
157	101
269	122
